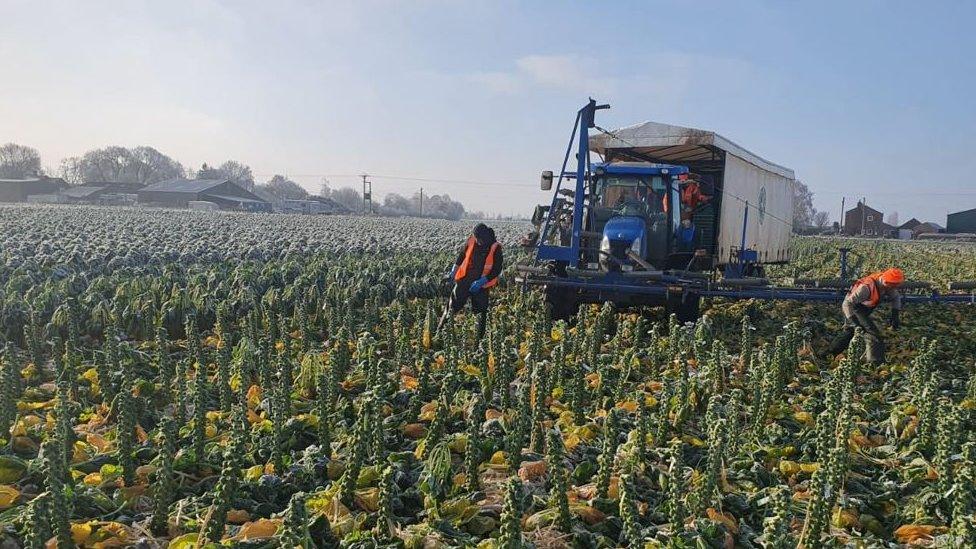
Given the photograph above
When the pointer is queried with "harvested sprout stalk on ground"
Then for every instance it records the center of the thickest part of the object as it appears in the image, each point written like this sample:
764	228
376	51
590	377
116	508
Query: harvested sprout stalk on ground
184	378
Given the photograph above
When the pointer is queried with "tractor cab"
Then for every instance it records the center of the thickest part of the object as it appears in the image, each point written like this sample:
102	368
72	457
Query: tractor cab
631	209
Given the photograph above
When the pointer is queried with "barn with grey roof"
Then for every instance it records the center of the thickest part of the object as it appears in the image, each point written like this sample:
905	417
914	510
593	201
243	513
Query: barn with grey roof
18	190
179	193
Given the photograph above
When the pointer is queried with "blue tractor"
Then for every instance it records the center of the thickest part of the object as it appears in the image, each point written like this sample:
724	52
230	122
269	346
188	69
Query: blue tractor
617	229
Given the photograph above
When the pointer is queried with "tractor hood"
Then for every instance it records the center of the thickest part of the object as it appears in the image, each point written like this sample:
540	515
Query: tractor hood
624	229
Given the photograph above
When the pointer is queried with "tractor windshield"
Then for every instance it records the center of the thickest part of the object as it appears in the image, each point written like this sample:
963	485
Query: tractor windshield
642	196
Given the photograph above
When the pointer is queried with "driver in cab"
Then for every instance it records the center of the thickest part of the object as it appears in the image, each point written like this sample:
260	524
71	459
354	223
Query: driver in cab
624	196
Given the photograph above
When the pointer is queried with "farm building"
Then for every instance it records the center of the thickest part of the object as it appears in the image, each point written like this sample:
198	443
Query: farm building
179	193
17	190
910	224
330	206
103	193
315	205
906	231
863	220
962	222
913	227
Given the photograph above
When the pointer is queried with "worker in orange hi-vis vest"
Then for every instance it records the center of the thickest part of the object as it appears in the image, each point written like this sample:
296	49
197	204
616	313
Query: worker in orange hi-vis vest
692	195
864	297
475	271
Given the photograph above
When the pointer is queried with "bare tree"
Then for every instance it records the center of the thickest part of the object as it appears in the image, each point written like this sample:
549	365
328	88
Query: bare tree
18	161
348	197
395	204
442	206
821	219
283	188
208	172
140	165
399	205
803	209
893	219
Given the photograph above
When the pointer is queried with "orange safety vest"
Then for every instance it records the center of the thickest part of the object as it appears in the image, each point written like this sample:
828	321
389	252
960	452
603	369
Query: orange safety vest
871	281
691	195
489	262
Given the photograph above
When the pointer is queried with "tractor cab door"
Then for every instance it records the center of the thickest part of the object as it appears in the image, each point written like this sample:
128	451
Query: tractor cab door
658	222
684	239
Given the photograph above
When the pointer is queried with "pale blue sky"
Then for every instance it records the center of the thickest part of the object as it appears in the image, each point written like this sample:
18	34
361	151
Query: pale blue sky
869	98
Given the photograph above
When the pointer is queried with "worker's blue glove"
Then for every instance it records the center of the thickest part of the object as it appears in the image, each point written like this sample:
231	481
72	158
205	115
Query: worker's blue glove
478	284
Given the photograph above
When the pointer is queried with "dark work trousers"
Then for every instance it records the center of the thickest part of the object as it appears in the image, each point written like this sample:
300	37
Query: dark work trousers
479	304
873	340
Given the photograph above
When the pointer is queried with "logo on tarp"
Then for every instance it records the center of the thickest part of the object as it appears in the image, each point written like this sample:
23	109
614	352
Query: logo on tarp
762	205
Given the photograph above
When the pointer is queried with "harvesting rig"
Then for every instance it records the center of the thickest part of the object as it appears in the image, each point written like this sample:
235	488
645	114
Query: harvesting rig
625	230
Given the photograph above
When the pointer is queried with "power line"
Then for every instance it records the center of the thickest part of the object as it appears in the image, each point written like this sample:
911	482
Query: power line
903	193
417	179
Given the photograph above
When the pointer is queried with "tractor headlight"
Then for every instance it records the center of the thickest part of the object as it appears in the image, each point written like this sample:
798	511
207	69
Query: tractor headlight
636	246
605	244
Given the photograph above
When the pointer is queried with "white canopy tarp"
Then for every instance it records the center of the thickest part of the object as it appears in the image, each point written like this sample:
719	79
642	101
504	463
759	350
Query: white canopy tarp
747	178
675	145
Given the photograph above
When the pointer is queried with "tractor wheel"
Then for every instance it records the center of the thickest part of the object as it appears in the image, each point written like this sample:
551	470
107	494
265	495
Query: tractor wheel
562	303
755	271
684	306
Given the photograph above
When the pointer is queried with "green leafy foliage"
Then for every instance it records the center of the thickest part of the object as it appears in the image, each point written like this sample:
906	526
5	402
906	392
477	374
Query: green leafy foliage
249	379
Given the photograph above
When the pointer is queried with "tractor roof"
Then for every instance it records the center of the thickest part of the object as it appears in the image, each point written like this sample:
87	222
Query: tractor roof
639	168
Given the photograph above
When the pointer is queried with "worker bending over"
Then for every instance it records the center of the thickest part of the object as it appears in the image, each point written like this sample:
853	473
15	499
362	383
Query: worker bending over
474	272
864	297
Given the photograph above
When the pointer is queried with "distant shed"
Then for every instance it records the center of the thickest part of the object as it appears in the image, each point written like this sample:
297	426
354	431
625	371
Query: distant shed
910	224
82	193
17	190
102	193
329	206
962	222
179	192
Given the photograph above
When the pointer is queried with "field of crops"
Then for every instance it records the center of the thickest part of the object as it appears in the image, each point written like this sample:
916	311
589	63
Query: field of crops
196	379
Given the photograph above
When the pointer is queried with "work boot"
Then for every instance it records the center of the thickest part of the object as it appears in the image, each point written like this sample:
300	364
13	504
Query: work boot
875	351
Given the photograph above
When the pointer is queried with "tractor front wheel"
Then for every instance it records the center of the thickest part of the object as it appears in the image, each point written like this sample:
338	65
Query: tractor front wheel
684	305
562	302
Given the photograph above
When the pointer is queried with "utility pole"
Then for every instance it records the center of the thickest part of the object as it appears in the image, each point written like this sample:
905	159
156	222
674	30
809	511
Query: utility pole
843	201
421	201
367	195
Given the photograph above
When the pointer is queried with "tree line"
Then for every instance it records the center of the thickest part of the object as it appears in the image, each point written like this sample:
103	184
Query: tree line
145	165
142	166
